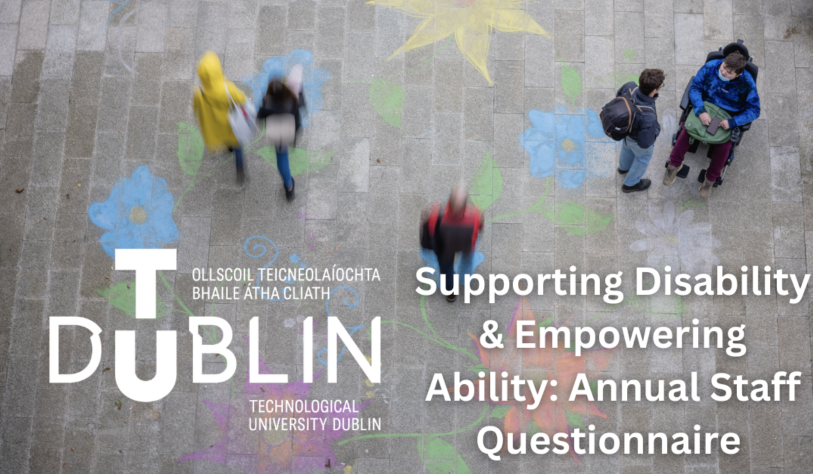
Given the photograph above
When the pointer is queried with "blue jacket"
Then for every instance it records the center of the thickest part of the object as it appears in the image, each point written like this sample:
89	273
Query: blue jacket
646	128
738	96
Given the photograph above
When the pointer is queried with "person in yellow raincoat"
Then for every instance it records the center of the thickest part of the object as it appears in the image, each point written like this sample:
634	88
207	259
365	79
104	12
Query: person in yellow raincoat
211	106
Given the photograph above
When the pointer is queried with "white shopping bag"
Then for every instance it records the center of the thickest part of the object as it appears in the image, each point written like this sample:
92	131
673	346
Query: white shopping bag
241	119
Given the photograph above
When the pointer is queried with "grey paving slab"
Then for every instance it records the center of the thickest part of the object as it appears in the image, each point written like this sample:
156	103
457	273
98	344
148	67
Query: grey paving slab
33	25
81	131
689	47
8	44
598	16
65	12
151	34
54	96
47	158
717	19
25	84
59	51
92	32
10	11
785	181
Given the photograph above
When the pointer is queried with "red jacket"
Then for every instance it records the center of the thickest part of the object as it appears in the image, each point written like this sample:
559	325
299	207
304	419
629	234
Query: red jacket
455	234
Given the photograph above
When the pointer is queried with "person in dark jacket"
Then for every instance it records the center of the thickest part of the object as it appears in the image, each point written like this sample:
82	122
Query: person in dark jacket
454	227
640	143
281	101
726	84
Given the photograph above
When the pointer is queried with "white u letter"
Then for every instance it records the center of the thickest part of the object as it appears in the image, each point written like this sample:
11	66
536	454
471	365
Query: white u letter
165	367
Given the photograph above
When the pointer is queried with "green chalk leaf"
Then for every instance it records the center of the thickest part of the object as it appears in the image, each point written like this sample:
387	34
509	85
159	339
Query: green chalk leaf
300	161
690	204
575	420
629	55
477	368
190	148
570	215
487	185
594	388
387	99
122	297
440	457
268	154
571	83
500	411
546	323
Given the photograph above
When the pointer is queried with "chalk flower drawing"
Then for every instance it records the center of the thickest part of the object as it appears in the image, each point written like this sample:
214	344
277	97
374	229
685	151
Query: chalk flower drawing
571	145
674	241
470	21
432	261
278	67
138	214
560	364
277	450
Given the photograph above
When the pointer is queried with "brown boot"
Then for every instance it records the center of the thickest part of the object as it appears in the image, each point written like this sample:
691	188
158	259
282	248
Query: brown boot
705	189
671	174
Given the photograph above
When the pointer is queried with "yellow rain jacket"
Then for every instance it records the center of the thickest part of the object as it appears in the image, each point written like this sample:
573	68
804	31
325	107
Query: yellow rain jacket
211	106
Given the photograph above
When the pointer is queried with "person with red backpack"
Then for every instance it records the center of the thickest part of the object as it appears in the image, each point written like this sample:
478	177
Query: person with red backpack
632	117
450	228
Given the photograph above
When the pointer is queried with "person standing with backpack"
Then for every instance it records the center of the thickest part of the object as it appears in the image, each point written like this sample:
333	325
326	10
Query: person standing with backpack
632	117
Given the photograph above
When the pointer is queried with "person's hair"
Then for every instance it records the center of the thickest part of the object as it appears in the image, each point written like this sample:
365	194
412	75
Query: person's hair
278	94
650	80
735	62
458	198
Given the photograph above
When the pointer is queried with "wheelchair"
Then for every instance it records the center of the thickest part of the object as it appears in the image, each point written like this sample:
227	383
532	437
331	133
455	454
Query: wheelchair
736	132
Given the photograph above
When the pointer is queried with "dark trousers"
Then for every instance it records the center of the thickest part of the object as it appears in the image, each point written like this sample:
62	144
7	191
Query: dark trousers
718	158
446	265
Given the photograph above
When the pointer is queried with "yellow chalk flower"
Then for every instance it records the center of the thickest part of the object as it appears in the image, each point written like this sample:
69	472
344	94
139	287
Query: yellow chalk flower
470	21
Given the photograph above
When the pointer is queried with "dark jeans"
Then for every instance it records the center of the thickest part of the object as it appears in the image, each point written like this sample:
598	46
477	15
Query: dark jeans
718	158
238	158
284	167
446	265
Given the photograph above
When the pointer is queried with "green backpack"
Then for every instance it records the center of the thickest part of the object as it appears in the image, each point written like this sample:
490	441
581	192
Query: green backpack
697	130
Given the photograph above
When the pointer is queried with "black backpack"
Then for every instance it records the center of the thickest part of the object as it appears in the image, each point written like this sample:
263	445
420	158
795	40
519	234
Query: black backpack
429	235
618	115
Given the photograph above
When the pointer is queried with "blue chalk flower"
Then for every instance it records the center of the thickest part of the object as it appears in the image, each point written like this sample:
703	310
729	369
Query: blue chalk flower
432	261
138	214
279	66
563	143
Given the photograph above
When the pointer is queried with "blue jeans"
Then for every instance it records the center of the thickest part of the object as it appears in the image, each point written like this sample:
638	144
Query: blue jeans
238	158
284	168
635	159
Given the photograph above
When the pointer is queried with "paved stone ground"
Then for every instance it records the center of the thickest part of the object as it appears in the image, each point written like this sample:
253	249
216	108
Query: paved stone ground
92	90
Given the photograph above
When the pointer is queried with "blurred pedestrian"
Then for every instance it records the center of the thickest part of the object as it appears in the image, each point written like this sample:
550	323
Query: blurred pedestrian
450	228
280	110
211	105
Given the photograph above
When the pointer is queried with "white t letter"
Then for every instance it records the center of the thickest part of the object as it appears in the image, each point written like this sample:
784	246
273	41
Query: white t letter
145	262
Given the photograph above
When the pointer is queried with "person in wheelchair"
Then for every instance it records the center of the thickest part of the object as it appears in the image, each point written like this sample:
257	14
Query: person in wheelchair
727	84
